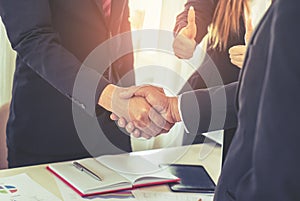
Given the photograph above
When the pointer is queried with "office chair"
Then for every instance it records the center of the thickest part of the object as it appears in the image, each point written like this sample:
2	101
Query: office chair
4	112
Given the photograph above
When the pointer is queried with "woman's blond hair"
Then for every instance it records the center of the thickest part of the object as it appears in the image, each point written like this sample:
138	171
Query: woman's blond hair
226	21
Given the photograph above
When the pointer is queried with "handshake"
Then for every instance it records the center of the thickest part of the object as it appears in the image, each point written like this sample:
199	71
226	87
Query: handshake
145	111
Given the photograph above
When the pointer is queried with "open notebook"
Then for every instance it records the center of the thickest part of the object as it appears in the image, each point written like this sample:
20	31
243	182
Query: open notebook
118	172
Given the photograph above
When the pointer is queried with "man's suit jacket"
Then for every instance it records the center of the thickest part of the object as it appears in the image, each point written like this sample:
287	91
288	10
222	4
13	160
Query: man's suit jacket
52	38
262	162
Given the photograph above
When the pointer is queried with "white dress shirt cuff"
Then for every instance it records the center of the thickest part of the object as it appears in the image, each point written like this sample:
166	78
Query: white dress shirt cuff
180	113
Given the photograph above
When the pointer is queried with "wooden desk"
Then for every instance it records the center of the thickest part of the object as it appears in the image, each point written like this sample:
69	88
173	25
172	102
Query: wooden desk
210	159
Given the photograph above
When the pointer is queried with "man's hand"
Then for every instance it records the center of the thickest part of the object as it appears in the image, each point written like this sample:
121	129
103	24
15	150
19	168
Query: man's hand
237	55
135	110
166	106
184	44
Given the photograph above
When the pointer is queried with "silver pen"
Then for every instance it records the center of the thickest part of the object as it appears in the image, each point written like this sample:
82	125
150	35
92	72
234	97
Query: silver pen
86	170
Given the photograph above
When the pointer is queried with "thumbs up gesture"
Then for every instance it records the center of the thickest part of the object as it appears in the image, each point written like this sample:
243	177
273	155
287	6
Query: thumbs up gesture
184	43
237	53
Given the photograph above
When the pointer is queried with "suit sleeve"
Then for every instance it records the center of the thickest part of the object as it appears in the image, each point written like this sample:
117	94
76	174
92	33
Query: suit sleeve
276	161
32	36
209	109
204	10
125	70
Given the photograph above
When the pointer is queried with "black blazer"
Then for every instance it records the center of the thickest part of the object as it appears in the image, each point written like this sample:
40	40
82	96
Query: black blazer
263	160
52	38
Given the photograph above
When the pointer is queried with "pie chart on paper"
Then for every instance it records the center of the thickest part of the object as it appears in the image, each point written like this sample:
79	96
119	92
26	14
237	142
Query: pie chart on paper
8	189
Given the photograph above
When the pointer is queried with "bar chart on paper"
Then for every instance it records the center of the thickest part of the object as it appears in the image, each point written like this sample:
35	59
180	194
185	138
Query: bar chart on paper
8	189
23	188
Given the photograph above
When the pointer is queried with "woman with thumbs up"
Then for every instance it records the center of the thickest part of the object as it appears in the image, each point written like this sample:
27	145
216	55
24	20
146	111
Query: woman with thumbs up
227	27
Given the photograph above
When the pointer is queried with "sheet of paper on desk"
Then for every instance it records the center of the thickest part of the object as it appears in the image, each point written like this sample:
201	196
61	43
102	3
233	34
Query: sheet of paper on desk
69	195
22	188
143	195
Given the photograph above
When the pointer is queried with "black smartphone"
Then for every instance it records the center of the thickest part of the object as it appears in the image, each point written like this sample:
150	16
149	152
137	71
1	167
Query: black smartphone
193	178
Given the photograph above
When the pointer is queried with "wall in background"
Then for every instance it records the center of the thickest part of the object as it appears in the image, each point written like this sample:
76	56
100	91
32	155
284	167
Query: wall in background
7	66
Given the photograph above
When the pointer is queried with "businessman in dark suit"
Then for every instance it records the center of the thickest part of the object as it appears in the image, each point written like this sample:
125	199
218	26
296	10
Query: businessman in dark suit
263	159
52	38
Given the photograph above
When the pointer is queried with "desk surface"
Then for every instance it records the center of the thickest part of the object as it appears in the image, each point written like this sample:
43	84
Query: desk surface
208	155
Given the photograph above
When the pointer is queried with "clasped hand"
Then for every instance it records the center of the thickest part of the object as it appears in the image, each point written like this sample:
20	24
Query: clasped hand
145	111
